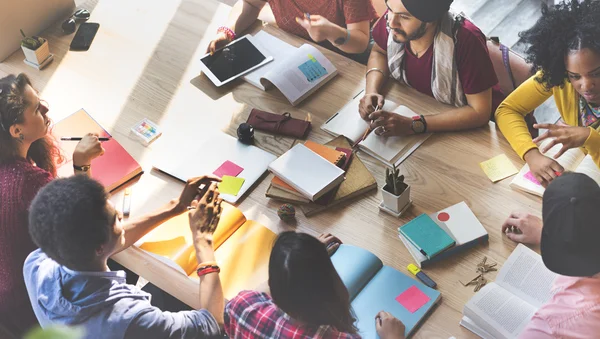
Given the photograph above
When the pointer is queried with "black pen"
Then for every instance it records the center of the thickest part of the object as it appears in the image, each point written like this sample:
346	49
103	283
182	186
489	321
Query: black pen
79	139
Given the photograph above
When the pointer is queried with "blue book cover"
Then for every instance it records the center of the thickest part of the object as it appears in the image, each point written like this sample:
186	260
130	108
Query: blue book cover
427	236
374	287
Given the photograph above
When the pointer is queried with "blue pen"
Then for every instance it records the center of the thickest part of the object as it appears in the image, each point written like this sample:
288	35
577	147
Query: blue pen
307	16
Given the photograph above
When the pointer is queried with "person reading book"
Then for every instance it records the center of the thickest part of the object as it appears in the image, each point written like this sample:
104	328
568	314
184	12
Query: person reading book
439	53
342	26
28	160
568	235
77	229
568	65
306	298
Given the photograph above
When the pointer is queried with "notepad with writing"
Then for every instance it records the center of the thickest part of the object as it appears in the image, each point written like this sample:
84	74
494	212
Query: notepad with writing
112	169
307	172
427	236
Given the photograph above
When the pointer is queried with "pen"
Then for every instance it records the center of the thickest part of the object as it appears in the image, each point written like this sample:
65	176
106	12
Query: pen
377	108
425	279
79	139
127	202
307	16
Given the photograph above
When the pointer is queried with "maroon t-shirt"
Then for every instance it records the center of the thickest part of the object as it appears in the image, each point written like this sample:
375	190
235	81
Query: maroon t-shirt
475	68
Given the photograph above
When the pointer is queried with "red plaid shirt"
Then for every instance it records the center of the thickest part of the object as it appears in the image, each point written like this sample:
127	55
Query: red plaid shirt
254	315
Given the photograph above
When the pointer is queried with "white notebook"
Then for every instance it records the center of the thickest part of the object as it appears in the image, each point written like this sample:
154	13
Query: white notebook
203	154
296	72
389	150
573	160
306	171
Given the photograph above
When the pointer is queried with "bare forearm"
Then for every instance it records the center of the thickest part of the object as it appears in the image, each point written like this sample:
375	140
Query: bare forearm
375	79
358	42
211	291
242	15
455	119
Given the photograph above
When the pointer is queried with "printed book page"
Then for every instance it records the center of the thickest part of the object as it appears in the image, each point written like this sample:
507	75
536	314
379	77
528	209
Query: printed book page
525	275
276	48
589	168
302	71
499	312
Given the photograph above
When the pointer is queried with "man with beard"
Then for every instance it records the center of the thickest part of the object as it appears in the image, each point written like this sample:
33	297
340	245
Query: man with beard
423	44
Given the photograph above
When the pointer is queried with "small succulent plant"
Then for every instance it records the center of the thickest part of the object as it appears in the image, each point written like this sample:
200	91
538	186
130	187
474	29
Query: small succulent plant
395	181
32	42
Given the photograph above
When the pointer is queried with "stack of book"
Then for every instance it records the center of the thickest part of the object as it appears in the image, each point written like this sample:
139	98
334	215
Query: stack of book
338	154
430	238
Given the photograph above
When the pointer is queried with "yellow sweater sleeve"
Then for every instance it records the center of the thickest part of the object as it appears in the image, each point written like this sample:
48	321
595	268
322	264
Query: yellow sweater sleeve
592	145
510	115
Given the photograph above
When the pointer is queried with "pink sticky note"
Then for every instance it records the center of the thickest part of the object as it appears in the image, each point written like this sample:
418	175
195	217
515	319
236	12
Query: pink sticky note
412	299
529	176
228	168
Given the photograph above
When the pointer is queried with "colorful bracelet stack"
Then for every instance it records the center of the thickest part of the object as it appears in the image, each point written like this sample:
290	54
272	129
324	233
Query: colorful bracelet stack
228	32
207	267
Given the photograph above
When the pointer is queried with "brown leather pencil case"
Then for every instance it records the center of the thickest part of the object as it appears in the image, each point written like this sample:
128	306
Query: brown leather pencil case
282	124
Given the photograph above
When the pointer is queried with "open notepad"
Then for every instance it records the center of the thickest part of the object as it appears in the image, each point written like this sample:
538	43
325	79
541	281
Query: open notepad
374	287
573	160
503	308
389	150
242	249
296	72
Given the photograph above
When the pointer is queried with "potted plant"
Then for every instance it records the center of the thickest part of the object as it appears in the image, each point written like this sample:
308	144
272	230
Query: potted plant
35	48
395	193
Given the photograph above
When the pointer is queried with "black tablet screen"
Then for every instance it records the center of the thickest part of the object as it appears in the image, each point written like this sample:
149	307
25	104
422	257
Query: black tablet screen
233	59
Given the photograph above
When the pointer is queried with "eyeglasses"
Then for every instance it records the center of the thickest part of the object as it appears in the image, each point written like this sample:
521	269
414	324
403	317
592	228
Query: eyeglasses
70	25
42	106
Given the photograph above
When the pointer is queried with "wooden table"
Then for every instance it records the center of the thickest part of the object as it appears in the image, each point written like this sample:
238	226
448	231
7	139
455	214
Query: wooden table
144	62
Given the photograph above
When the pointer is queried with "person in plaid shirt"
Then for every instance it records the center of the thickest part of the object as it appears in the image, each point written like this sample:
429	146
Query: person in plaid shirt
308	298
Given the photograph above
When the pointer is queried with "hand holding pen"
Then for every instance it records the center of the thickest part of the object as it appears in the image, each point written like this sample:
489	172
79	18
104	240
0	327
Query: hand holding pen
368	130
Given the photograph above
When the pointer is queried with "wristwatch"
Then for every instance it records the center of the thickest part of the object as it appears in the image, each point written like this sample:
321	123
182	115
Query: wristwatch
84	168
419	125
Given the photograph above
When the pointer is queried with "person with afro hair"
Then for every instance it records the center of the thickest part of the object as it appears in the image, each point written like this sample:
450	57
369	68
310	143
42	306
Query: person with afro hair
565	52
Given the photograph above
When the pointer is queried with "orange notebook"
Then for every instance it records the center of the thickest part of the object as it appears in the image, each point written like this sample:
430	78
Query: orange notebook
113	169
333	156
242	249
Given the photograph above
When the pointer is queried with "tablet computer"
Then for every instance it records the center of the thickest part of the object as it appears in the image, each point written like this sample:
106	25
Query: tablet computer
234	60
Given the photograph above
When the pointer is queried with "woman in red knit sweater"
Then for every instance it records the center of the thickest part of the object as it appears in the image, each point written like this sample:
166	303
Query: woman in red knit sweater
28	160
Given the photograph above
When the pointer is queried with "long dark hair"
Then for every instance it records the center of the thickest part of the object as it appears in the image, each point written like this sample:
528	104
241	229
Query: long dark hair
304	283
43	152
569	26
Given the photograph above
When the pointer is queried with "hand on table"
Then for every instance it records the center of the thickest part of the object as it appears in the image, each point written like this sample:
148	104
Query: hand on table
523	227
88	149
192	191
389	327
206	213
544	169
388	124
331	242
219	41
318	27
368	103
568	136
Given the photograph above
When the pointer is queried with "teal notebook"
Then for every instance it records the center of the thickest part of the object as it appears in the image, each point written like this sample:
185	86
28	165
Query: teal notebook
374	287
427	236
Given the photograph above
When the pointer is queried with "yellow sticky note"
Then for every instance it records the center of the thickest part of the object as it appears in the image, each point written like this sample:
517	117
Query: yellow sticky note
498	168
311	57
230	185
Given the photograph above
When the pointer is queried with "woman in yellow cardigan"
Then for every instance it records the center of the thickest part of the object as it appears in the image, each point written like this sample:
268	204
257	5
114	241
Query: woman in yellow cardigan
565	49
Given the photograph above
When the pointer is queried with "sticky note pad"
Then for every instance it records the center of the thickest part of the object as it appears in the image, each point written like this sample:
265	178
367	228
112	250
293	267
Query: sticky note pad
412	299
228	168
529	176
498	168
312	69
231	185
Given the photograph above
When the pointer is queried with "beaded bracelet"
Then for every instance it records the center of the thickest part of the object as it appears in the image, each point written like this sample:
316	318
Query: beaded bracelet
228	32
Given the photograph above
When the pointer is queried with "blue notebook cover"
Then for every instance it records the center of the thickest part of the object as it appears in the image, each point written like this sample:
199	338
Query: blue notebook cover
427	236
378	288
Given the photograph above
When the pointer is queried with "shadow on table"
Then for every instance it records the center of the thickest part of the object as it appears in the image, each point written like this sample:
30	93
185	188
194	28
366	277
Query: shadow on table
203	83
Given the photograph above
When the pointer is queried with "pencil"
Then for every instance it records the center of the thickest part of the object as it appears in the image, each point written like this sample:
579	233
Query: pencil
377	108
79	139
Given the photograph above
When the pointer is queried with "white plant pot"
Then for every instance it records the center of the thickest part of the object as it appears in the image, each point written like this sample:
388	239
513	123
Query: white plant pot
39	55
395	203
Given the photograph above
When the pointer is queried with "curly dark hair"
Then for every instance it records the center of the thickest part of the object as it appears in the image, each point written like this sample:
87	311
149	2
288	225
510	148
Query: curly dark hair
68	220
568	26
43	152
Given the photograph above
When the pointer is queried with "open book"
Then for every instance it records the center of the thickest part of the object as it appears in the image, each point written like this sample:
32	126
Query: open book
389	150
573	160
374	287
503	308
242	249
296	72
